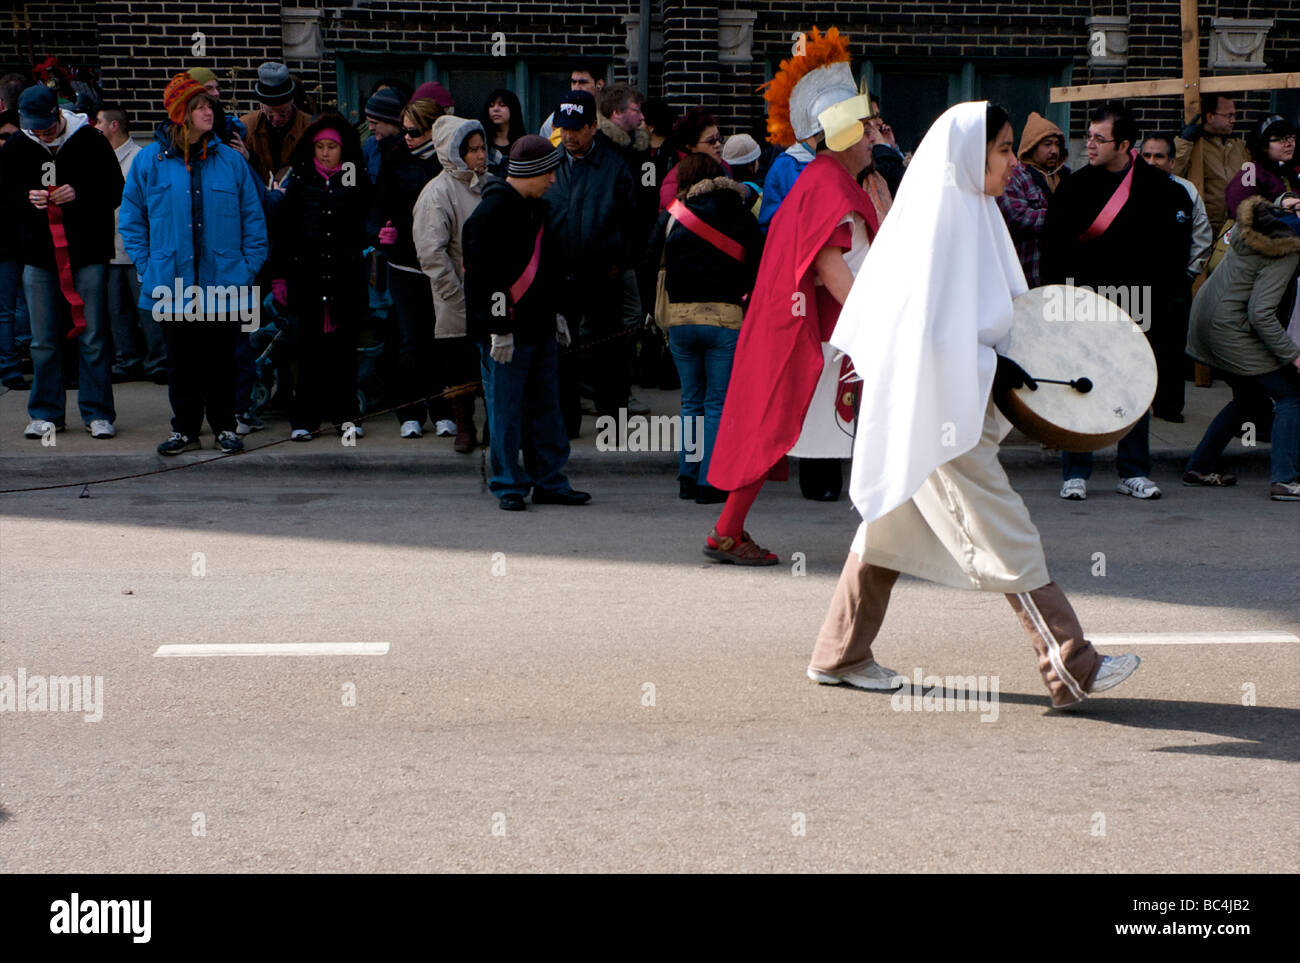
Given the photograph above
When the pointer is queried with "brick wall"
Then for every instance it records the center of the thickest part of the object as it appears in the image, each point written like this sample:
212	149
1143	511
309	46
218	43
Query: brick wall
139	45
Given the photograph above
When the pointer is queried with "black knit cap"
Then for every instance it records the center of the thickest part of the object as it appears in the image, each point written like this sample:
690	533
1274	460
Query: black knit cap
532	156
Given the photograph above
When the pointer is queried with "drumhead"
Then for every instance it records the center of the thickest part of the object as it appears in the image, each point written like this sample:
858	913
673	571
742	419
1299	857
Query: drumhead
1066	333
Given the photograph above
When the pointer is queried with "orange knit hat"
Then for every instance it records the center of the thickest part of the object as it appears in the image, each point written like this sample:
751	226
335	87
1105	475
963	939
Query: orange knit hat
178	94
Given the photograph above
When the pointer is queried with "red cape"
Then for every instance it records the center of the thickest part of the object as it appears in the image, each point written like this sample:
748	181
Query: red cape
779	355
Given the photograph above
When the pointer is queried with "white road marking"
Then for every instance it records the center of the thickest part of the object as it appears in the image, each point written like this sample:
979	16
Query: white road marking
1191	638
274	648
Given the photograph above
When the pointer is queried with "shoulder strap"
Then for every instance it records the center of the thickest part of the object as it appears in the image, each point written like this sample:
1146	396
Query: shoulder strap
1114	205
697	226
525	280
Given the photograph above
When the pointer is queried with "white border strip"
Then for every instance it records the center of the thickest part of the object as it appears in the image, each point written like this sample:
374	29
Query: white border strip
1192	638
274	648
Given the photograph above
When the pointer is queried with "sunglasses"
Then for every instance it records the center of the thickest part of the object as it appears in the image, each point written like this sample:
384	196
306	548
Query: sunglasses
714	140
412	131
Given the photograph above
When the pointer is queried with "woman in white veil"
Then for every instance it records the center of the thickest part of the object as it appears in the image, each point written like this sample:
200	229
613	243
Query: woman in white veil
921	325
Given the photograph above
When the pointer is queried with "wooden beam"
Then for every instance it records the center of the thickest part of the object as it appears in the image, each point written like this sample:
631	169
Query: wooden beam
1191	37
1167	88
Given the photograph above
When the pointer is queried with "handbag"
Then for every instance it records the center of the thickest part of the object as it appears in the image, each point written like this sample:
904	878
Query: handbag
661	284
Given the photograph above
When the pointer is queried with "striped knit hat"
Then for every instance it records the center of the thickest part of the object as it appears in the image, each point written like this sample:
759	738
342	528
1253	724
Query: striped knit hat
532	156
176	98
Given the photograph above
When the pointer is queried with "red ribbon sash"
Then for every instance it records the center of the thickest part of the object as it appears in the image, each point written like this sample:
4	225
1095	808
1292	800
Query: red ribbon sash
697	226
60	238
1112	208
525	280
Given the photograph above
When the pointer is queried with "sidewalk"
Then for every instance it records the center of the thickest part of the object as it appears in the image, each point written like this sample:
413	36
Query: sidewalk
143	421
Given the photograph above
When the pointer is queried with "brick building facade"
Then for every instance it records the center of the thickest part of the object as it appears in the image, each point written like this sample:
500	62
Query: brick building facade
918	56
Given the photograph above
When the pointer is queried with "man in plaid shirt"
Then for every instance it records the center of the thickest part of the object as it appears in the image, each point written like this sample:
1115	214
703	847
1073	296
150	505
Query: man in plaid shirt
1024	202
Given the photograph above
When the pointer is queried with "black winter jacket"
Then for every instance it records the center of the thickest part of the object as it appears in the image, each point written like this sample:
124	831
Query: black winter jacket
593	210
319	230
497	241
401	178
695	269
85	161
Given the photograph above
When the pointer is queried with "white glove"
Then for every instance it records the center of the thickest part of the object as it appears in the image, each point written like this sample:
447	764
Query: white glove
503	348
562	331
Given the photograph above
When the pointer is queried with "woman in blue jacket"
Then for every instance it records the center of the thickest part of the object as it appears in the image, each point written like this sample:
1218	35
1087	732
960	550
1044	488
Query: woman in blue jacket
193	225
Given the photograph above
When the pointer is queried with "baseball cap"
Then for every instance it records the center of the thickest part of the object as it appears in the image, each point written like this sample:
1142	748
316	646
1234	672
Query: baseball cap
577	109
38	107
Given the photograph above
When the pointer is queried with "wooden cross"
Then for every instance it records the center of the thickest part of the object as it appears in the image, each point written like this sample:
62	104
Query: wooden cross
1191	85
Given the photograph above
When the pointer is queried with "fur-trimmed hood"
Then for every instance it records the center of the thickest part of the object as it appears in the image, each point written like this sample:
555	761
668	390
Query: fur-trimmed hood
716	184
638	140
1260	230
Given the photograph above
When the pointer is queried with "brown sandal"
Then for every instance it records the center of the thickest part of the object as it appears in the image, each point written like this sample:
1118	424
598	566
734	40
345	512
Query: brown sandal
735	551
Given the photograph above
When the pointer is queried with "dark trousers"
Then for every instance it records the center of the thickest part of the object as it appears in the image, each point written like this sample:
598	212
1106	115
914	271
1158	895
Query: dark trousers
1134	455
456	361
599	353
523	408
1168	339
327	377
1283	388
201	374
413	305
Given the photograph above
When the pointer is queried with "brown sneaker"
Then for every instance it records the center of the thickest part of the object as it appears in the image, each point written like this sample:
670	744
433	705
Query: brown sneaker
1284	491
1194	479
737	551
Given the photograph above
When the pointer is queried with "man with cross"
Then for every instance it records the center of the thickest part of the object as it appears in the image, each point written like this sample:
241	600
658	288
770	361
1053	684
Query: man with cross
1209	156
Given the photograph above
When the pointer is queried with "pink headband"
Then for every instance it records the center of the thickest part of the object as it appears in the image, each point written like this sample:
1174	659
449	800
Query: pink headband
329	133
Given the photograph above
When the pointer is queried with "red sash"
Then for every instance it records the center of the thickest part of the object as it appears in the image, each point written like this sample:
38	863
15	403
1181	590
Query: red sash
60	238
1112	208
693	223
525	280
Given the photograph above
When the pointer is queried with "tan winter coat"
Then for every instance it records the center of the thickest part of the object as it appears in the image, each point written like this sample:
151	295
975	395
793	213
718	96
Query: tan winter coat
1210	163
440	212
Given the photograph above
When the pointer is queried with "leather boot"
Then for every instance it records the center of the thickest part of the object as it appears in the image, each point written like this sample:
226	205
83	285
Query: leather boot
463	407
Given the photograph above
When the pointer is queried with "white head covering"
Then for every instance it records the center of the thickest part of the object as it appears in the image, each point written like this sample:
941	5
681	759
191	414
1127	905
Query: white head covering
931	301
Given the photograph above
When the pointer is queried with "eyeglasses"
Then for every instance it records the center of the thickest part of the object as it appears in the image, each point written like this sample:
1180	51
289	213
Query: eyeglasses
1094	139
712	141
1288	139
412	131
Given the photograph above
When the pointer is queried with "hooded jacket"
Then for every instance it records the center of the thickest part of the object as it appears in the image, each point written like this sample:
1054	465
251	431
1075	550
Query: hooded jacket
157	219
1037	128
441	211
402	176
695	270
499	239
319	228
83	159
1238	318
1024	202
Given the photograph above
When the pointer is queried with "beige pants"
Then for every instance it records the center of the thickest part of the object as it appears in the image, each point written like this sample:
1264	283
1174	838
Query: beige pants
1067	660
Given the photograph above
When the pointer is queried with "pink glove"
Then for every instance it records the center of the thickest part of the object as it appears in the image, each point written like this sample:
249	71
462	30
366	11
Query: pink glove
280	291
388	234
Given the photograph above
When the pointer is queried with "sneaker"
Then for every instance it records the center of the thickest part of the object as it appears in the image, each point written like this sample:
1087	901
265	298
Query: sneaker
412	429
39	429
229	442
444	428
1278	491
873	675
1138	486
1075	488
635	406
300	434
737	551
1114	670
178	443
99	428
1194	479
247	423
357	430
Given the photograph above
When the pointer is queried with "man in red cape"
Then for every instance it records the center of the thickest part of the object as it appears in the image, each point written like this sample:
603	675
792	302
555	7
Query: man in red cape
814	246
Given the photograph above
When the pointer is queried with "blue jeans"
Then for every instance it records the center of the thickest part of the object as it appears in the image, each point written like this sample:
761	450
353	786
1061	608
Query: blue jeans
14	325
130	322
1133	458
1283	387
703	354
48	400
523	406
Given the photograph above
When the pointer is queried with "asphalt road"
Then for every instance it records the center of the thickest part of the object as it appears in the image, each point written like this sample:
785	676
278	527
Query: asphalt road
508	726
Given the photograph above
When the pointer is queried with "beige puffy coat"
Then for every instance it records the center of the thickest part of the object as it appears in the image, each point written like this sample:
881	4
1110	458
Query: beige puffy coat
440	212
